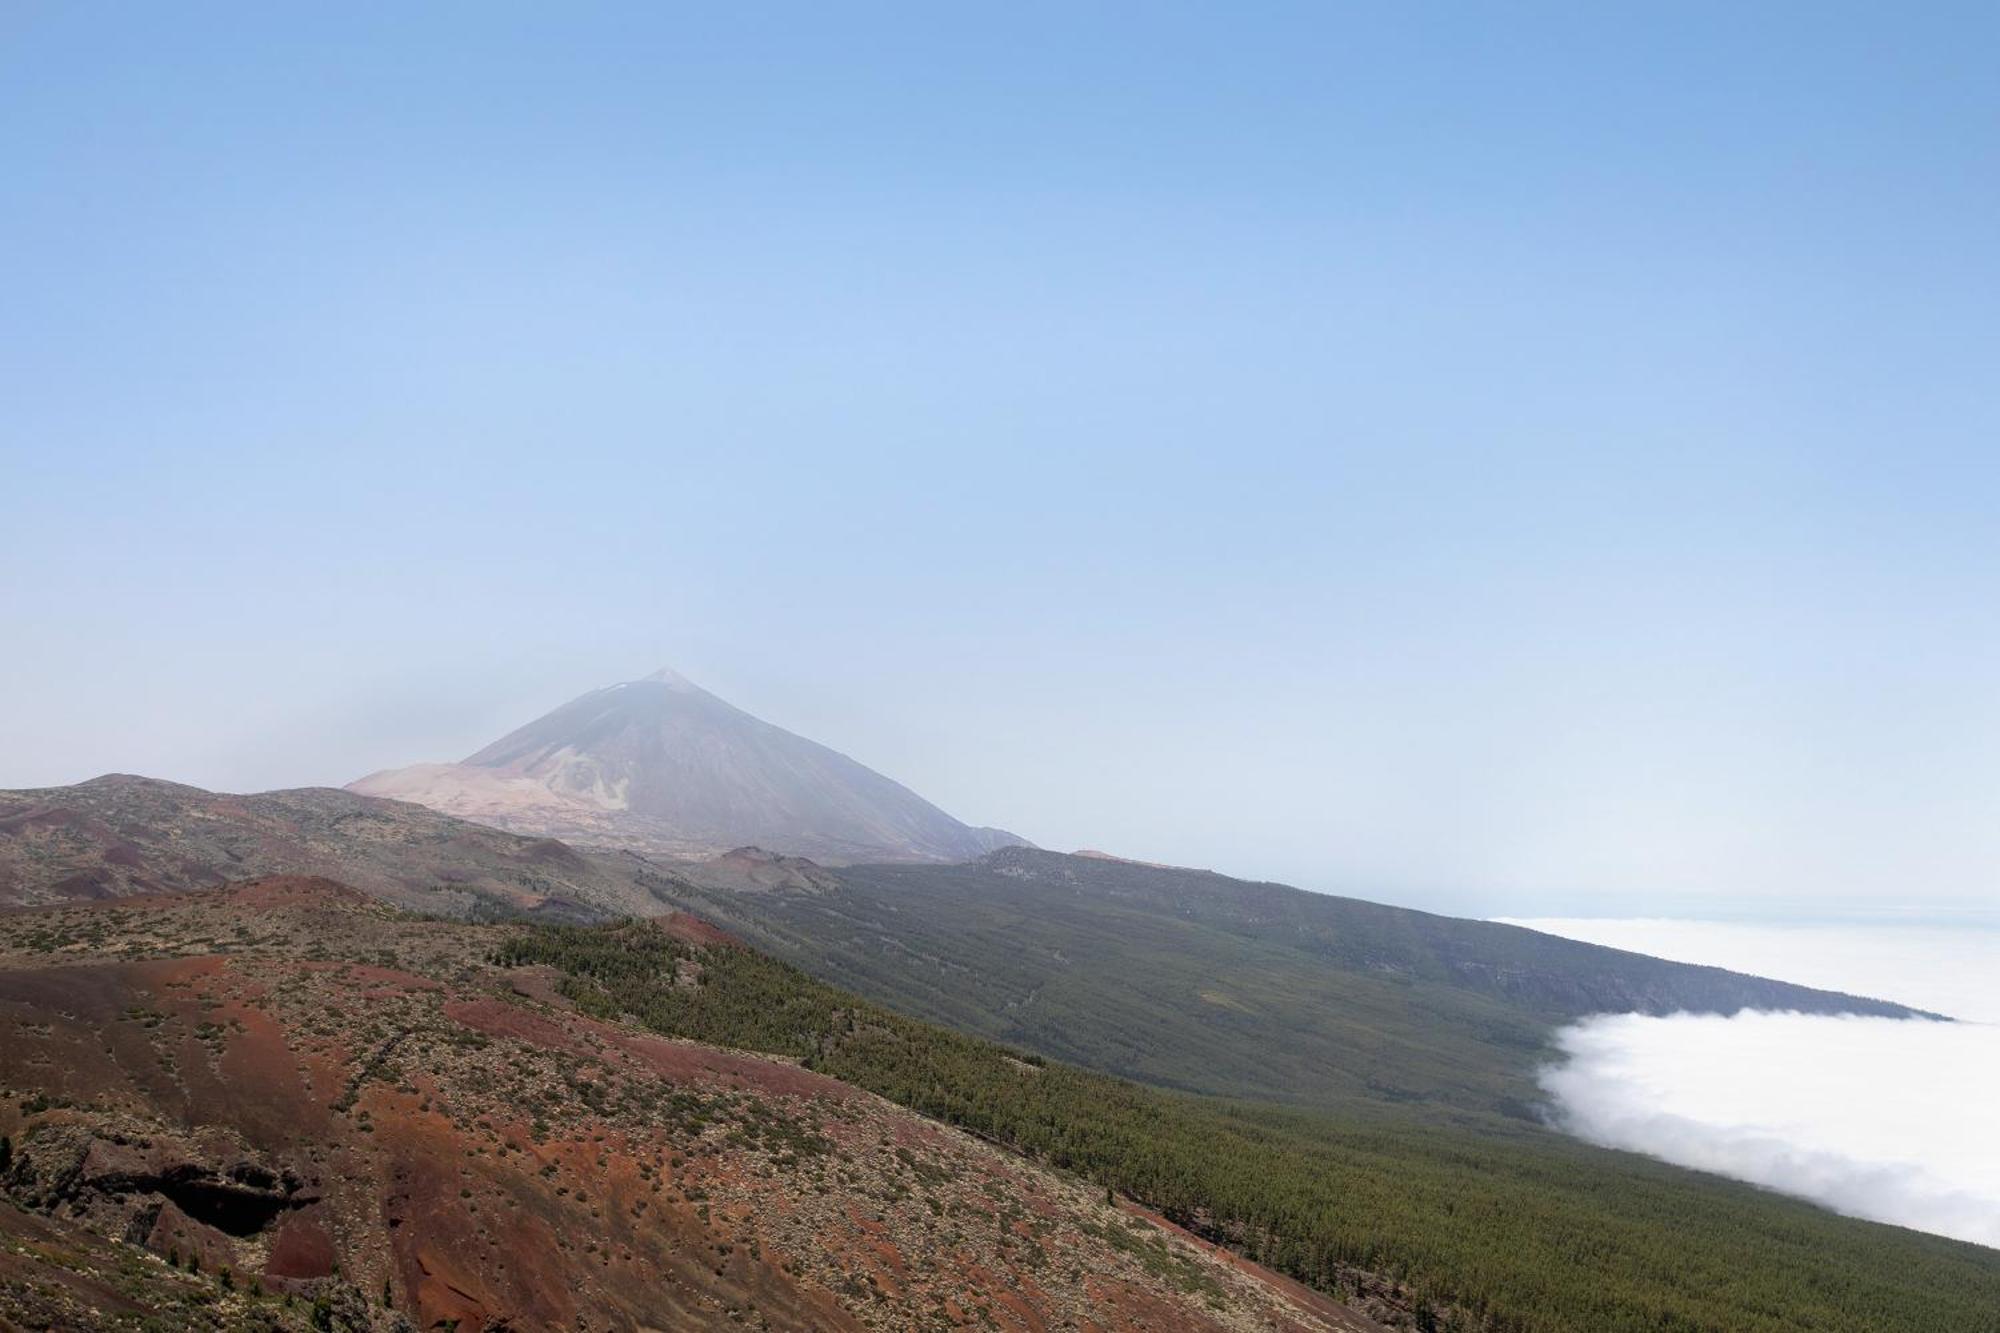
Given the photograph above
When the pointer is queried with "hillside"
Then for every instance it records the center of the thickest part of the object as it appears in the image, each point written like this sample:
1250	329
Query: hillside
1194	980
284	1105
1456	1222
121	835
664	766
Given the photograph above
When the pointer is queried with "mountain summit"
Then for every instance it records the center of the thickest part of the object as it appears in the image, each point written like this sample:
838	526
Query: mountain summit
663	766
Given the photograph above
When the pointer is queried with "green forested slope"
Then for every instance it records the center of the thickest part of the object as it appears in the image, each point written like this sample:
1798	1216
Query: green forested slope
1496	1225
1196	981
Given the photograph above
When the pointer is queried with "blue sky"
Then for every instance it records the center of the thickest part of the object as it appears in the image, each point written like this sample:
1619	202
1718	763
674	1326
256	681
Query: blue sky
1515	459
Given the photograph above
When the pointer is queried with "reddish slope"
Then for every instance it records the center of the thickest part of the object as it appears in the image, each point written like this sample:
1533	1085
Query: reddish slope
297	1084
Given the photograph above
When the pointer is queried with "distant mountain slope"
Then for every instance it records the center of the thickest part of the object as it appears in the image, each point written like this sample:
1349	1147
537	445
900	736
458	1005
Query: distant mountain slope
1193	980
664	766
120	835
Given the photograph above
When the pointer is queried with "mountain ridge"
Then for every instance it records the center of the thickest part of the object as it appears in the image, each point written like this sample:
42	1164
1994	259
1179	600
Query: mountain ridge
121	835
1194	980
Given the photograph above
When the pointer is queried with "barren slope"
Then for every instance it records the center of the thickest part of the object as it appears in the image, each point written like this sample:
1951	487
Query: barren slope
321	1097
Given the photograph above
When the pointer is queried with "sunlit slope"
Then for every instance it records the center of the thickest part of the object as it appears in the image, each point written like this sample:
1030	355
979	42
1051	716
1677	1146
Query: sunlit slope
283	1105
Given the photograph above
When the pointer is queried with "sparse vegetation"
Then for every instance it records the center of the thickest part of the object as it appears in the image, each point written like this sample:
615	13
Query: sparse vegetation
623	1154
1516	1228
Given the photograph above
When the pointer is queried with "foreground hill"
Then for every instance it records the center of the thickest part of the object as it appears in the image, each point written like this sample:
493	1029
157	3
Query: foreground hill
664	766
1194	980
121	835
1452	1222
283	1105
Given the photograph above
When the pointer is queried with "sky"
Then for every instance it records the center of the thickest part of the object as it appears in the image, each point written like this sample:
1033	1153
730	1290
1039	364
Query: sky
1535	459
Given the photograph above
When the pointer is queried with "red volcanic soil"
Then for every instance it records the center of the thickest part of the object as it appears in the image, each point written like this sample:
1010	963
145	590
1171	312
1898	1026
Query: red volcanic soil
130	1034
673	1061
322	1096
694	930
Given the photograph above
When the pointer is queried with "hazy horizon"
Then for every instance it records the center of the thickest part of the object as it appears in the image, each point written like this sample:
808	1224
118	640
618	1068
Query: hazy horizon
1575	913
1533	463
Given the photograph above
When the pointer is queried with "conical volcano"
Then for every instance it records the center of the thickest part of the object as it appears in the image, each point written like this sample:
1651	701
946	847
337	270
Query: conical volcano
662	765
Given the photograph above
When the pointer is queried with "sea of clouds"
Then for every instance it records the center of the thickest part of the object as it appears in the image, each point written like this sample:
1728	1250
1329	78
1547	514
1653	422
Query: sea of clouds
1893	1120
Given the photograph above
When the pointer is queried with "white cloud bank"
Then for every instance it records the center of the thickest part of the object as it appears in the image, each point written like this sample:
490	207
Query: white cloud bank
1874	1117
1897	1121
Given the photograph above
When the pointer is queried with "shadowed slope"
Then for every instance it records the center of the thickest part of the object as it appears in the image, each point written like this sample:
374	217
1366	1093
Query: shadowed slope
1194	980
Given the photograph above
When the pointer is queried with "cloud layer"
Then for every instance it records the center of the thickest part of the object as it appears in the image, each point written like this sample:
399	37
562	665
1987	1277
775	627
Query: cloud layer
1872	1117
